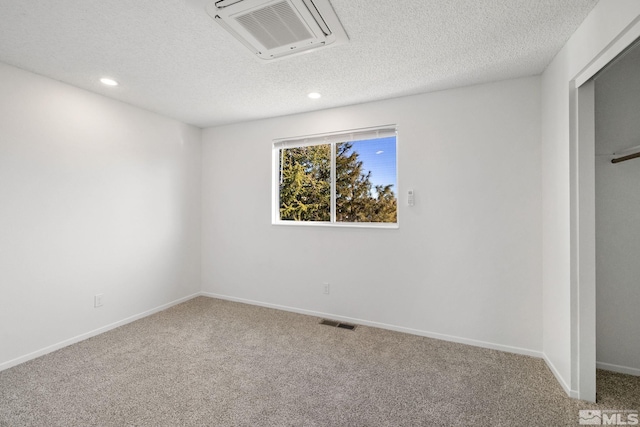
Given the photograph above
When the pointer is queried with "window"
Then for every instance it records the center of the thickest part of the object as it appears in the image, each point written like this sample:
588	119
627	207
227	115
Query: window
346	178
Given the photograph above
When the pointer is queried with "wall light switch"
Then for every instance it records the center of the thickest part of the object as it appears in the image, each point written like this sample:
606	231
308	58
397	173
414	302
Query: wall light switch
97	300
411	198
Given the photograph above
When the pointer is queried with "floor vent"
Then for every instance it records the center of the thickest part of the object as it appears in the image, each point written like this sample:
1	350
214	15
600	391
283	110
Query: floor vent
337	324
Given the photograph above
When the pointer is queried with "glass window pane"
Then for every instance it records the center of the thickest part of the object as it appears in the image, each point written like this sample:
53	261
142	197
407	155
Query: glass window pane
366	181
305	183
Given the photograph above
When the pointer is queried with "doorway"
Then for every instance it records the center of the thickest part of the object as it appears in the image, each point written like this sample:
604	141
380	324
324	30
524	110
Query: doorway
584	259
617	209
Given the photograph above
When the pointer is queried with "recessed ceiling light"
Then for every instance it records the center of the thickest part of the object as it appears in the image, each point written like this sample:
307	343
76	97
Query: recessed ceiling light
314	95
108	81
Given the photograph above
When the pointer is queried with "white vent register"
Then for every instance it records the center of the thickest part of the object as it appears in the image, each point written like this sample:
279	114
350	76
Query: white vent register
272	29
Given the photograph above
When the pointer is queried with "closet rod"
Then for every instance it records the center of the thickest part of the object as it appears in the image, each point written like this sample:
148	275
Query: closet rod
627	157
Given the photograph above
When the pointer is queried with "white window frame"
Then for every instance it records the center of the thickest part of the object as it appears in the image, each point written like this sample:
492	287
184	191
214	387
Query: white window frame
331	138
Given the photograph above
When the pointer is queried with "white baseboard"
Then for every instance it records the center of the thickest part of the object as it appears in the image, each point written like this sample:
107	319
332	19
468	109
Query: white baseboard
82	337
571	393
476	343
618	368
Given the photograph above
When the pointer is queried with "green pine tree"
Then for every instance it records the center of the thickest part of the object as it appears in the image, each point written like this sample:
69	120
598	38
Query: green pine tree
305	187
305	183
355	200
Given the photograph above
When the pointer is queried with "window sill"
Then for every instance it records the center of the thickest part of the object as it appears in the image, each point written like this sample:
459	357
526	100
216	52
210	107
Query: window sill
387	226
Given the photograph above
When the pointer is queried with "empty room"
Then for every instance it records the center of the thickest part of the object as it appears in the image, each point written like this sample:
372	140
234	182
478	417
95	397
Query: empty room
319	213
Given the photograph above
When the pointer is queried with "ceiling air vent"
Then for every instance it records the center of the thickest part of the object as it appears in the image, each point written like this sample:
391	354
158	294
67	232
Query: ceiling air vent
272	29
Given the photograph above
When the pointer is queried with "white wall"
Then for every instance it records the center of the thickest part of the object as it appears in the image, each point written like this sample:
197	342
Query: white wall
617	114
465	263
607	20
618	269
95	197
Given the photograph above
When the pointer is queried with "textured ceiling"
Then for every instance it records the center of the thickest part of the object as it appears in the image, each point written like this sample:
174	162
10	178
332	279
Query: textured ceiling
170	57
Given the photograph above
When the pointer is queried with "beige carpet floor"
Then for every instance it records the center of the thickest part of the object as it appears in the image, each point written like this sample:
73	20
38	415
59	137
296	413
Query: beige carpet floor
209	362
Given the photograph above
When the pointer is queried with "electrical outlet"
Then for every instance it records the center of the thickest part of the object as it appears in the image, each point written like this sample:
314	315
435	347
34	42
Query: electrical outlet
325	288
97	300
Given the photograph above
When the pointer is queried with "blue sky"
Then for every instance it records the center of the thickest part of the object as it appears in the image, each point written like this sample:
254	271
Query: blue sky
379	157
